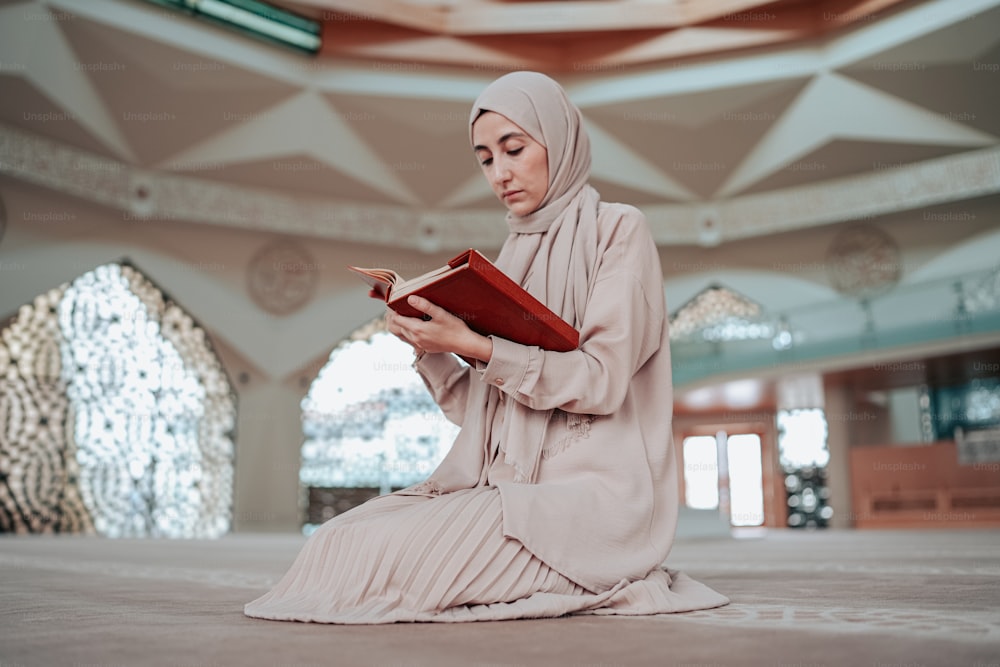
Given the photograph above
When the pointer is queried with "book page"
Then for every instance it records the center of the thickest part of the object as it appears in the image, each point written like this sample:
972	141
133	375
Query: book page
390	285
405	287
380	280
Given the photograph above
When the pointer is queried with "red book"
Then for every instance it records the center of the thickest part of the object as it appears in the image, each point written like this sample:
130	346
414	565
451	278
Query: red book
469	286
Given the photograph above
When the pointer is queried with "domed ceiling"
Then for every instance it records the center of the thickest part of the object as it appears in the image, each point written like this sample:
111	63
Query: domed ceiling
722	119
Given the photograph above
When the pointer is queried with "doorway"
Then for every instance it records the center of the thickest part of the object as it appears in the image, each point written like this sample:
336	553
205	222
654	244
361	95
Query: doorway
725	472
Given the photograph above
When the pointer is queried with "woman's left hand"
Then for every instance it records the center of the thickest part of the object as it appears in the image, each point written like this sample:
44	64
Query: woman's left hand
442	332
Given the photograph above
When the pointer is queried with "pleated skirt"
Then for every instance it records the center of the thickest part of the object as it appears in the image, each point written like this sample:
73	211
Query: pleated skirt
445	559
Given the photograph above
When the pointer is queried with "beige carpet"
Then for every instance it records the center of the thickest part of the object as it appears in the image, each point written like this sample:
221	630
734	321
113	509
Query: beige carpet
880	599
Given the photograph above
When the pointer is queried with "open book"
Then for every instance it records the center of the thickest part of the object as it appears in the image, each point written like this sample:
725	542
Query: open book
469	286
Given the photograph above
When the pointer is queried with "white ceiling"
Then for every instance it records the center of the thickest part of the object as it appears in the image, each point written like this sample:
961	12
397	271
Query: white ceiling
135	106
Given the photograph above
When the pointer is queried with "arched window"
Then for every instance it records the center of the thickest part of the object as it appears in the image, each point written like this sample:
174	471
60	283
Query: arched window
116	415
370	425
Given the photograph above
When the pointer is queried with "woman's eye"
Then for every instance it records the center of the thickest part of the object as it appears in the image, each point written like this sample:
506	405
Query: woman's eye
515	151
487	162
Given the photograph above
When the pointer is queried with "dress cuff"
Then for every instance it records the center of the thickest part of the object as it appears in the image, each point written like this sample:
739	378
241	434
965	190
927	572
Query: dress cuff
434	365
508	365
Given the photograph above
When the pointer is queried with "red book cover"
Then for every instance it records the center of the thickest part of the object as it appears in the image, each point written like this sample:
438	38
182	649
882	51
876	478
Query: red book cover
472	288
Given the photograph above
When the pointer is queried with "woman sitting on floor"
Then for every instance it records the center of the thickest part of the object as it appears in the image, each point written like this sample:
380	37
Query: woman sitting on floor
559	494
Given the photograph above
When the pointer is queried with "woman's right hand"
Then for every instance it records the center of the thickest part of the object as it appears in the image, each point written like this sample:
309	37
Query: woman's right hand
394	325
439	331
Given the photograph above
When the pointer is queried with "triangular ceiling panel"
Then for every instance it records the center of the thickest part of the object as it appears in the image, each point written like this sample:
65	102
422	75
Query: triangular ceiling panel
944	89
700	110
969	39
699	138
304	124
38	114
845	157
167	98
616	162
424	142
835	107
33	45
294	174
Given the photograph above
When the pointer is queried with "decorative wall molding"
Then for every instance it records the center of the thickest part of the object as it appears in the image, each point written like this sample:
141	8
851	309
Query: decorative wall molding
933	182
151	196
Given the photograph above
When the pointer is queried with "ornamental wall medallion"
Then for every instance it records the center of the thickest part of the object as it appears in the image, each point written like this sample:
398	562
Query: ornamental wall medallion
863	262
282	277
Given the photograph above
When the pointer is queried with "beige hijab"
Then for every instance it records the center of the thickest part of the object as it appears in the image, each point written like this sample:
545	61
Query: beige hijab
550	252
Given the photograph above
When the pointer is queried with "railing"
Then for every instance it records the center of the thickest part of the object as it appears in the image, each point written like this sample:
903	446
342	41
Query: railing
959	306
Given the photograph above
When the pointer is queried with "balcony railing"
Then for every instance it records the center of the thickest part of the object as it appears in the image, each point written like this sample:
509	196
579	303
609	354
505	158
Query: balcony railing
959	306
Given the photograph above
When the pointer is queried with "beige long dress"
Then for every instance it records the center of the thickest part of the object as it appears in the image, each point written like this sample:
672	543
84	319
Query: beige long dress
589	535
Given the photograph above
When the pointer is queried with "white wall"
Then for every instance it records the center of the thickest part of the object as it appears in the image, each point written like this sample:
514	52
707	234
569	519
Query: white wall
51	239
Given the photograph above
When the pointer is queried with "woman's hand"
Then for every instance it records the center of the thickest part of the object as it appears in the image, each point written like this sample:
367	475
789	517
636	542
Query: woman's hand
442	332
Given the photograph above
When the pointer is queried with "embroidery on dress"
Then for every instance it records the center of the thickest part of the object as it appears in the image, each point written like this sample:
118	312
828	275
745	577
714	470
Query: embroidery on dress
577	427
429	487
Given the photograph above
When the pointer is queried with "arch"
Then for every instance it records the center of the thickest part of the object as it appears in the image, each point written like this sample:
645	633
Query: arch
278	349
117	415
370	424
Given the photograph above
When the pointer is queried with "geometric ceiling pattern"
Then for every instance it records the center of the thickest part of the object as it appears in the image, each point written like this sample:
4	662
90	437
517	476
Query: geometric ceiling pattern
736	119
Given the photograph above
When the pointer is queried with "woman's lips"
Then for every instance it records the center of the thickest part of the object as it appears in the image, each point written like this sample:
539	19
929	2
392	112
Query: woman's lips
511	193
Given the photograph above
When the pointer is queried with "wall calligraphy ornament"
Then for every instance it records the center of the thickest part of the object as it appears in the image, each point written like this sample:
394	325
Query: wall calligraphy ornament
282	277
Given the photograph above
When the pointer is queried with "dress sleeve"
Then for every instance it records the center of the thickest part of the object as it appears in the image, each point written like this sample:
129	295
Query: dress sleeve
621	330
448	381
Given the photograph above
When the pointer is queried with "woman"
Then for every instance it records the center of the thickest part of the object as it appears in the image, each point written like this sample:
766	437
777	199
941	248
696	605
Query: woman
559	494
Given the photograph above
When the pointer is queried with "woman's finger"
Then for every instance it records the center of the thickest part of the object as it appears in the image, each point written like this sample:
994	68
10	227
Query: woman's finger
430	310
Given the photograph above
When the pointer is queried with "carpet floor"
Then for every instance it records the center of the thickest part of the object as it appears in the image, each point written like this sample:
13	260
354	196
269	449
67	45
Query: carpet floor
800	599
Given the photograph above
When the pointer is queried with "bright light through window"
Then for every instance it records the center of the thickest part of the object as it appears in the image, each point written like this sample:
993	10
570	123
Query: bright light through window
746	493
802	438
120	412
701	473
369	421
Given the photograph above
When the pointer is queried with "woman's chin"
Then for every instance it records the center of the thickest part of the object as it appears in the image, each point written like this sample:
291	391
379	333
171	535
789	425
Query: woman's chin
520	209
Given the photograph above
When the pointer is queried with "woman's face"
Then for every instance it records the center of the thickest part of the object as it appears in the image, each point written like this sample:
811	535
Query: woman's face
516	166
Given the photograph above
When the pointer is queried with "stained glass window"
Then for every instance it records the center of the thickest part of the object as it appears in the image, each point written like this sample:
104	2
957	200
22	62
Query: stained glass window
116	415
370	425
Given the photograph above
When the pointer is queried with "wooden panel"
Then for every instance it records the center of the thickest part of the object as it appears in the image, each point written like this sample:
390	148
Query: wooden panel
922	486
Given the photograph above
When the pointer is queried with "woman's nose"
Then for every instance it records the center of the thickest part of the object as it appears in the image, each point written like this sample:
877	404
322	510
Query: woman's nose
501	174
